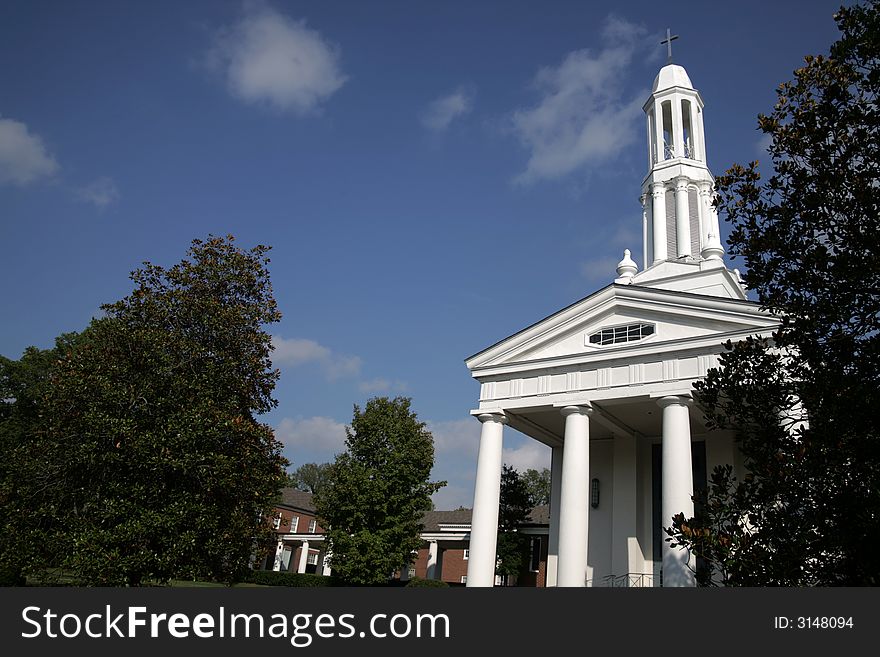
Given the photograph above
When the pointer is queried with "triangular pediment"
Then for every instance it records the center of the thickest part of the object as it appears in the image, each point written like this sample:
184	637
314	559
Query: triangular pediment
677	320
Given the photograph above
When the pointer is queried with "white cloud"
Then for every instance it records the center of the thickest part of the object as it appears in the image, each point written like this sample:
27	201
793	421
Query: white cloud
294	352
601	269
270	59
456	436
382	385
101	192
452	497
531	454
442	111
762	148
582	118
312	433
23	155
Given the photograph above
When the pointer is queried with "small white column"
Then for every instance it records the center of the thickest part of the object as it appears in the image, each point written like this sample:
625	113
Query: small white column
303	557
574	498
677	127
279	554
432	560
682	218
325	564
678	484
487	493
553	537
712	249
643	199
658	221
658	128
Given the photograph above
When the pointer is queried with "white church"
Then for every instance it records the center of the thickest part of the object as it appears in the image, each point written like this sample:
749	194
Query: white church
607	382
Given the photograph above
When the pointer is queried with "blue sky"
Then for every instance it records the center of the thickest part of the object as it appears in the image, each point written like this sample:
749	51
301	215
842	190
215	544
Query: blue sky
432	176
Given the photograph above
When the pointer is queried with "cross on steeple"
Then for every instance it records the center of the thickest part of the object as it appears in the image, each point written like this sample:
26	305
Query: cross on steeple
668	41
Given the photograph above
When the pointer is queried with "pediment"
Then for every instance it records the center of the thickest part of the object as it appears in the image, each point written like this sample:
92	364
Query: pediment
677	318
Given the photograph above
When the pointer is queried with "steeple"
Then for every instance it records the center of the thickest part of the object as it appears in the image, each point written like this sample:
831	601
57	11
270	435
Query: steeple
679	220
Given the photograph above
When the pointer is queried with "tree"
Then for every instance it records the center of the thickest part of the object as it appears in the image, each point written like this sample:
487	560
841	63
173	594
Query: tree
514	505
805	403
309	477
378	491
159	466
538	484
27	477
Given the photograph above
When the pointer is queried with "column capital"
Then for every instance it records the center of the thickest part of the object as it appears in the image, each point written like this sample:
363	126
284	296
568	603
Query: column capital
675	400
658	188
492	417
580	409
681	183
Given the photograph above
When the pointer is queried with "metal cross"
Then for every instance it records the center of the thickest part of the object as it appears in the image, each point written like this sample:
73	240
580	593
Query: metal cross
668	41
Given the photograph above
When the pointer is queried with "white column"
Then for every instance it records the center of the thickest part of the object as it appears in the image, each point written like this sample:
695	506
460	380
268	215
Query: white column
325	563
677	126
574	497
658	221
678	484
712	249
624	507
553	537
658	128
487	491
643	199
432	560
303	557
279	552
682	218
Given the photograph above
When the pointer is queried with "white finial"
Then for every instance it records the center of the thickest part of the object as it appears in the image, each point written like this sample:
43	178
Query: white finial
626	269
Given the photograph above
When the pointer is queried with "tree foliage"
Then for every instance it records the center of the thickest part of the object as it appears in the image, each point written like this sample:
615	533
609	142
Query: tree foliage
155	466
309	477
378	490
515	502
538	484
805	403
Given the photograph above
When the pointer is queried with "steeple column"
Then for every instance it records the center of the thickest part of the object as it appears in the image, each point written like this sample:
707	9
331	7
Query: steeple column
682	218
658	221
677	130
643	199
711	240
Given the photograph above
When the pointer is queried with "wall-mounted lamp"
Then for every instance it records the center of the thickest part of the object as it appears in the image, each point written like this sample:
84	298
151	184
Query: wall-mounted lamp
594	493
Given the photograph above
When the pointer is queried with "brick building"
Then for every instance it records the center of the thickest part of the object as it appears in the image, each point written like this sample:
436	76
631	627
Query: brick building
300	542
299	538
446	550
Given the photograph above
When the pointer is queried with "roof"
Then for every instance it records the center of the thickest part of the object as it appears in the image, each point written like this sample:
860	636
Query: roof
672	75
299	499
433	519
540	515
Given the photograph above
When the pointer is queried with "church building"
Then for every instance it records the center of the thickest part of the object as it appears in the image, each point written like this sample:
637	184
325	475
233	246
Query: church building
607	382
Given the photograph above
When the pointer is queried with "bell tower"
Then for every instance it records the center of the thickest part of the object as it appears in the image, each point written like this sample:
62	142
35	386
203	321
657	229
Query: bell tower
679	221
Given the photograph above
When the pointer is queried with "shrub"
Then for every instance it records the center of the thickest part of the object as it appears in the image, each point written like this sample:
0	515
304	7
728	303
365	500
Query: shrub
274	578
428	583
